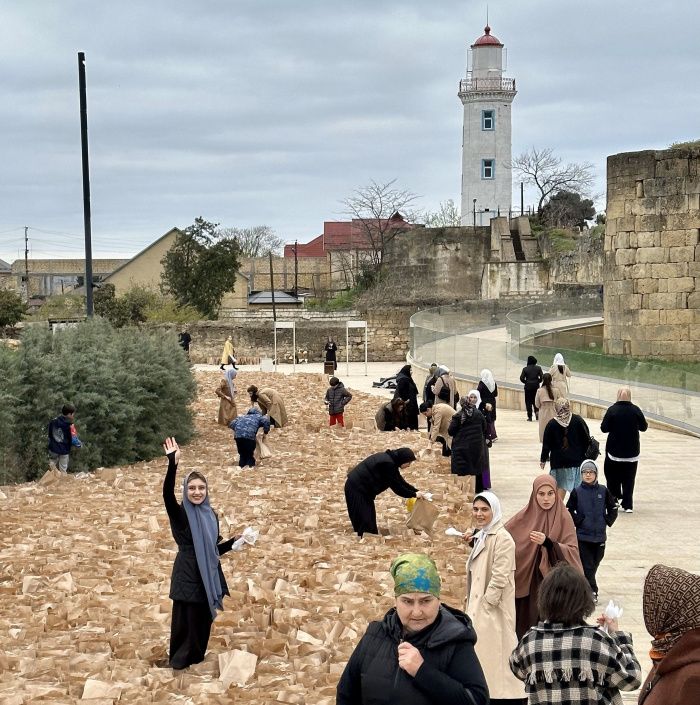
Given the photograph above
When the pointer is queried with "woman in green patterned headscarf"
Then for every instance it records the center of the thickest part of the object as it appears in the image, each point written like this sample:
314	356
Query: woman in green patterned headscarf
421	652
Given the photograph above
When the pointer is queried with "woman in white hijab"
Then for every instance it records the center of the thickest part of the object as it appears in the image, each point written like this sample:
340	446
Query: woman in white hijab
560	376
491	598
488	389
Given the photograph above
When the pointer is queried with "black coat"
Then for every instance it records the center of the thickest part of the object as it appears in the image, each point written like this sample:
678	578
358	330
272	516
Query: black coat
59	435
578	437
622	422
487	397
186	582
377	473
593	509
468	444
531	376
428	394
406	389
450	673
330	349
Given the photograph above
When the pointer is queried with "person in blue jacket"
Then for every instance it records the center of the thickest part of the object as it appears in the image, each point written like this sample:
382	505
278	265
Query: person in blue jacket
245	430
60	440
593	509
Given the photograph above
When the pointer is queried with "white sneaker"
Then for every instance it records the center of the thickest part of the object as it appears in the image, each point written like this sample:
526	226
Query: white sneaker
628	511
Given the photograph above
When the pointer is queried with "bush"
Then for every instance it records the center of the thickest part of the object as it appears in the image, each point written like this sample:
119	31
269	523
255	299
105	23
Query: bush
138	305
131	389
12	308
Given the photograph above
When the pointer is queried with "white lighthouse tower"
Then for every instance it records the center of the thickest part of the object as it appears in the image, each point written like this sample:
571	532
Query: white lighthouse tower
486	140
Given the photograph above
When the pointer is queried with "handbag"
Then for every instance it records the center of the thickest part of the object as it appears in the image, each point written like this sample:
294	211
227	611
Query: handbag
593	450
444	393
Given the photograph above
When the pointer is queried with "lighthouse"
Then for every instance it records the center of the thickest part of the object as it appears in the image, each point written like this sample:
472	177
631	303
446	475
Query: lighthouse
487	97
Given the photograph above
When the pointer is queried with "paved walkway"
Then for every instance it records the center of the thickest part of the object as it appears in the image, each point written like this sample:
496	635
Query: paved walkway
663	528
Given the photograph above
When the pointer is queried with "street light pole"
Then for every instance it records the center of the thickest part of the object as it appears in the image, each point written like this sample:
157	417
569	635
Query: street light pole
86	184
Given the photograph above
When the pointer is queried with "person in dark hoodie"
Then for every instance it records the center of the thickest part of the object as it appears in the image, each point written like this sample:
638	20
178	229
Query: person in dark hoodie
337	398
428	393
406	389
245	431
531	377
60	438
421	653
371	477
592	508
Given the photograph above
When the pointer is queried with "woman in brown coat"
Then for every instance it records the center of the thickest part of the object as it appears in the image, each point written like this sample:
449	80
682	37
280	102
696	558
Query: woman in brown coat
227	402
271	403
671	607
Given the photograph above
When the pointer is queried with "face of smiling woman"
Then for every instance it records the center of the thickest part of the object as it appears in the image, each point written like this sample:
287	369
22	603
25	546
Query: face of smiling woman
196	490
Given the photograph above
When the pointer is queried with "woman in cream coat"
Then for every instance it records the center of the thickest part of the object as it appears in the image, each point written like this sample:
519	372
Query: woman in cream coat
491	599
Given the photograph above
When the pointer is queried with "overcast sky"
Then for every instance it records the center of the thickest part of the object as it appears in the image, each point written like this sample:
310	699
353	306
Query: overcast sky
251	112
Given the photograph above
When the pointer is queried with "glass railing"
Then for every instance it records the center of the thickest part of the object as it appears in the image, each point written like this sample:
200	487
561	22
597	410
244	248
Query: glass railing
502	344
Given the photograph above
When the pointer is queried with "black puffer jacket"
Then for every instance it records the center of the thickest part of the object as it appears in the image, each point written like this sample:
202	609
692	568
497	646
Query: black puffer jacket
186	582
450	674
469	443
622	422
531	376
379	472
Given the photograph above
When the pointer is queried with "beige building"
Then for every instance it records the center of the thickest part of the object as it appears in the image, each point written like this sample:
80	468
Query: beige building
145	270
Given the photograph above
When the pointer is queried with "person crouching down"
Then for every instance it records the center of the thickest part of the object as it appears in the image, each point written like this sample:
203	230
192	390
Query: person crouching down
337	398
245	430
421	652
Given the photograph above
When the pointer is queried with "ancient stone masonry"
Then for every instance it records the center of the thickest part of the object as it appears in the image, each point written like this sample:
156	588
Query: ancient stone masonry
652	254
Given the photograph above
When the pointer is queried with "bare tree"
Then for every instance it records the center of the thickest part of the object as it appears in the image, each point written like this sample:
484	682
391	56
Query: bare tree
544	170
382	212
446	216
257	241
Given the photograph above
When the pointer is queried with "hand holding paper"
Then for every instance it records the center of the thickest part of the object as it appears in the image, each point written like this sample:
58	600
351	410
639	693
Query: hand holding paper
249	536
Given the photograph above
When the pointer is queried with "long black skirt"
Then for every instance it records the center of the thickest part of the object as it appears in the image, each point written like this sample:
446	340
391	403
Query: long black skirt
189	633
361	510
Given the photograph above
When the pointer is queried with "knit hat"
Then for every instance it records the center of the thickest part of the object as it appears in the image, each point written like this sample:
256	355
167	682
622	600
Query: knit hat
415	572
589	465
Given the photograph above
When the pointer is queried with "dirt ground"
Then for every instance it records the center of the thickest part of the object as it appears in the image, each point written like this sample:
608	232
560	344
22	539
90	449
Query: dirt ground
86	561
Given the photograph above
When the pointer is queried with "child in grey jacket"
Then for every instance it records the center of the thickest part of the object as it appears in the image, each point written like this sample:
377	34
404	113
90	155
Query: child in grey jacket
337	398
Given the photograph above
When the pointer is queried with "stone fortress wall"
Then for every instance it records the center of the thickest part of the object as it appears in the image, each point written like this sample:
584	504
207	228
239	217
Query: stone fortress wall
652	254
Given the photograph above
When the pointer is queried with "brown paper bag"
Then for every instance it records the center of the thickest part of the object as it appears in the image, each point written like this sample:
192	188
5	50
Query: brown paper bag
236	667
423	516
262	450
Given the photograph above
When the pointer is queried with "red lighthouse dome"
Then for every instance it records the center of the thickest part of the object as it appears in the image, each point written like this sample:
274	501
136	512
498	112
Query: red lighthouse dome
487	39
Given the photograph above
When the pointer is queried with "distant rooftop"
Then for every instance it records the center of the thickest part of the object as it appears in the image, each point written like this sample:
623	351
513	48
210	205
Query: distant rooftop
281	297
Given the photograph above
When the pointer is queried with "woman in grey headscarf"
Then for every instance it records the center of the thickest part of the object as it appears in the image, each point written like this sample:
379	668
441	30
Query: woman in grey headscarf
227	401
197	584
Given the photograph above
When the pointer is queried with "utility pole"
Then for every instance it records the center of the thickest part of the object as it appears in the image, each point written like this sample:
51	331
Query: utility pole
26	265
522	200
296	271
272	289
86	183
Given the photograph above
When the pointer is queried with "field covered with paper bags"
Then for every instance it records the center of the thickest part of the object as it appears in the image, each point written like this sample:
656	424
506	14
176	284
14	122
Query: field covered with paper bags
86	561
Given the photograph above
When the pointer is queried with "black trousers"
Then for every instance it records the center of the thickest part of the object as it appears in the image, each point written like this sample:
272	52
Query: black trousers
361	510
446	452
530	395
591	555
620	479
189	633
246	450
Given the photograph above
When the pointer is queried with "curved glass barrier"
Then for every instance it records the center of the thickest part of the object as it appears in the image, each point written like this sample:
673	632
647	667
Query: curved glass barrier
667	391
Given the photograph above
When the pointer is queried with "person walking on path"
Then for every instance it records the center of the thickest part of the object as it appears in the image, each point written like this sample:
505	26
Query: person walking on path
488	390
331	350
337	398
445	387
197	584
564	444
421	653
60	435
531	377
544	402
564	660
245	432
468	431
622	422
439	415
227	401
391	415
490	600
671	608
430	380
271	403
592	508
228	355
375	474
184	339
560	375
406	389
544	534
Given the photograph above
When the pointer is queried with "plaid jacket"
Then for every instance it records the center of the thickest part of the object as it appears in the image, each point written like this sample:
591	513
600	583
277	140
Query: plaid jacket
575	665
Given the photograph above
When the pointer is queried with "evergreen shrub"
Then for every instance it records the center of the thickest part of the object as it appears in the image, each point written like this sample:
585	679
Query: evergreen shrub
131	389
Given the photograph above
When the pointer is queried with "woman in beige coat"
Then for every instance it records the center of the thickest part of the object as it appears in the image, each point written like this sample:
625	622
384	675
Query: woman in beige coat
440	415
227	402
491	599
271	403
561	374
546	395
